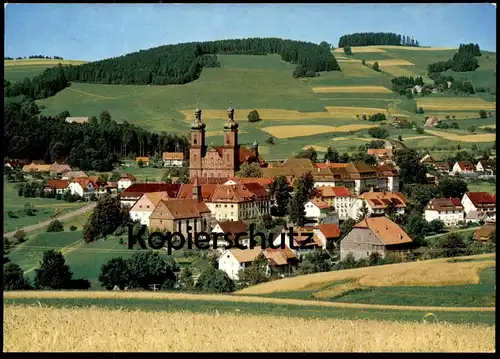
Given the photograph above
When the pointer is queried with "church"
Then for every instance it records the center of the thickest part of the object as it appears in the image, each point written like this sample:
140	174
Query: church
206	162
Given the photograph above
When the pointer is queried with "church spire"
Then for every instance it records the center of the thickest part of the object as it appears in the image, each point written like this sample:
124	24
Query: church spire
231	124
197	123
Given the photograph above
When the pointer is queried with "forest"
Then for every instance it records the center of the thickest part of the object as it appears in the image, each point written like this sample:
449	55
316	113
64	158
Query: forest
462	61
376	38
401	83
174	64
96	145
35	57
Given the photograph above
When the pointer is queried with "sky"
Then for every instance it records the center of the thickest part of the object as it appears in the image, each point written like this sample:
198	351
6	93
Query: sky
95	31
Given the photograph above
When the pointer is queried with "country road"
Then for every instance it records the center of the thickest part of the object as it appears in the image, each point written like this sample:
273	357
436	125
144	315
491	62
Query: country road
62	217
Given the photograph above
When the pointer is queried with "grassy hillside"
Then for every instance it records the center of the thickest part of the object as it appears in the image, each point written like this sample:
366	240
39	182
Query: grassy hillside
265	83
18	70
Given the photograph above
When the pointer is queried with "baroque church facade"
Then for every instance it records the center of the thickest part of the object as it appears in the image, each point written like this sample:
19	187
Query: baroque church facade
207	162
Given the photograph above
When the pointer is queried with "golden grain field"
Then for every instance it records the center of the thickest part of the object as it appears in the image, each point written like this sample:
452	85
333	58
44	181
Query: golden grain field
413	48
360	49
390	62
455	103
351	89
35	329
315	147
483	137
398	71
342	111
412	273
305	130
265	114
38	62
460	115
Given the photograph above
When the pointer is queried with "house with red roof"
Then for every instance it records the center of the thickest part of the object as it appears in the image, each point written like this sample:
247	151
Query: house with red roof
463	167
328	233
82	186
479	201
132	194
306	240
378	202
448	210
337	197
57	185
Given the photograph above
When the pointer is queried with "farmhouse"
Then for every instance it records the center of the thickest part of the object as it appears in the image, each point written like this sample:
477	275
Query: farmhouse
74	174
59	186
400	122
448	210
485	233
143	208
59	168
375	234
479	201
337	197
133	193
126	181
378	203
37	166
442	167
143	159
480	217
176	215
173	159
387	178
486	166
432	122
382	154
318	211
15	164
463	167
84	187
221	161
428	159
306	236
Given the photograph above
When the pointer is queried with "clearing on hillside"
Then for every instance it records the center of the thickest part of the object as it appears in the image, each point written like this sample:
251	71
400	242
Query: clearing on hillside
88	329
304	130
455	103
411	273
483	137
398	71
392	62
351	89
38	62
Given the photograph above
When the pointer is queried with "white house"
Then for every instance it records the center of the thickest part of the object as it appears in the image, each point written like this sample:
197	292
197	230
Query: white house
126	181
448	210
337	197
232	260
173	159
232	227
60	186
486	166
378	202
479	201
463	167
84	187
143	208
318	211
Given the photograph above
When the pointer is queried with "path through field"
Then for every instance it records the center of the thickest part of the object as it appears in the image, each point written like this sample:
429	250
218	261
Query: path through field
63	217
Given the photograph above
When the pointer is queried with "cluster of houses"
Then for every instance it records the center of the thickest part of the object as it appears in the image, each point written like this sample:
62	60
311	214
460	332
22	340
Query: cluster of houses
466	168
169	159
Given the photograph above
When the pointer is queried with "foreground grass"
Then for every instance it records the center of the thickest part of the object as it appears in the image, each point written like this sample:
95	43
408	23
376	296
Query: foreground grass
99	329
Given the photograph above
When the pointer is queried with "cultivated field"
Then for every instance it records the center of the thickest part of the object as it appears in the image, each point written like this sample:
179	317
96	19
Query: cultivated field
99	330
304	130
315	147
351	89
483	137
341	111
394	62
407	274
455	104
39	62
360	49
398	71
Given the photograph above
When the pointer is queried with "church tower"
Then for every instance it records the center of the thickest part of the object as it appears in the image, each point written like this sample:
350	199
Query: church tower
230	151
197	146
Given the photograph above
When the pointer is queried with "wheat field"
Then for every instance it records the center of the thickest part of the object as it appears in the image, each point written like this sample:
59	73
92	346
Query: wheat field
455	103
483	137
391	62
404	274
305	130
351	89
42	329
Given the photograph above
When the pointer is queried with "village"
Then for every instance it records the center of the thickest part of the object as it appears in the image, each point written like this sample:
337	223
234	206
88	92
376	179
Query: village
217	199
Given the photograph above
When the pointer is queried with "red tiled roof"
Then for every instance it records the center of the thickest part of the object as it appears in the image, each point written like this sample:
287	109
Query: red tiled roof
207	191
138	189
481	198
327	191
465	165
128	176
320	204
385	229
329	230
180	209
238	193
232	226
57	184
381	199
444	204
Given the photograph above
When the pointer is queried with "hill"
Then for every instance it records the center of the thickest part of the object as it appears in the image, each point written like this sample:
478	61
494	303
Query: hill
326	104
18	70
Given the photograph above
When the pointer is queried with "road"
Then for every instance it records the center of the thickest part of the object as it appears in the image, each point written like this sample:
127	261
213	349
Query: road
456	231
62	217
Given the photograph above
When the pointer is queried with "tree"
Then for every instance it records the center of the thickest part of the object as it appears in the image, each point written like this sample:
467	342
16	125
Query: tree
483	114
452	245
378	132
106	217
452	187
254	274
400	138
410	168
416	228
29	209
309	153
436	226
347	50
331	155
344	158
140	163
115	272
55	226
280	191
13	278
215	281
375	66
315	262
253	116
363	62
391	209
249	170
296	210
53	273
147	268
363	211
346	226
186	280
270	140
20	235
472	128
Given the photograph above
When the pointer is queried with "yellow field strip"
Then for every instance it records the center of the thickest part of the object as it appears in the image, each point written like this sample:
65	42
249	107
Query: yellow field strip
483	137
360	49
391	62
455	104
97	329
40	62
225	298
351	89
